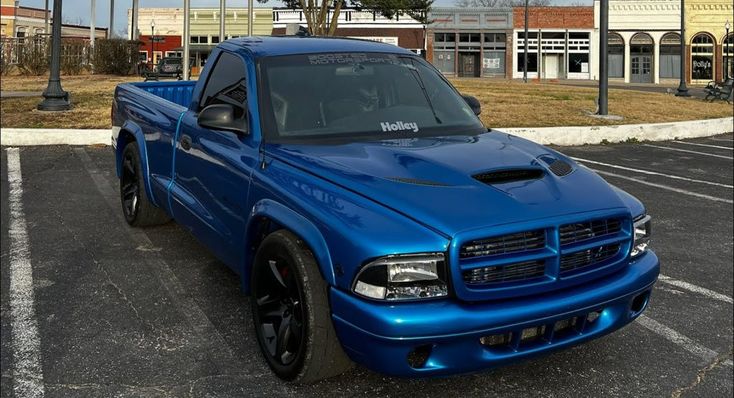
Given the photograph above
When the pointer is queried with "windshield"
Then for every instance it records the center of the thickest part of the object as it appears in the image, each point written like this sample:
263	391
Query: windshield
360	95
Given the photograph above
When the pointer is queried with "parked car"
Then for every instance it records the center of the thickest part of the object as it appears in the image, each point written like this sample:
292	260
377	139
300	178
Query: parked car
372	217
168	67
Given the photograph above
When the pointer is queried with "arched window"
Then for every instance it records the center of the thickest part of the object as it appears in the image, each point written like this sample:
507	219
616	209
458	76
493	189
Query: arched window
670	56
615	51
38	31
20	32
641	43
702	57
728	51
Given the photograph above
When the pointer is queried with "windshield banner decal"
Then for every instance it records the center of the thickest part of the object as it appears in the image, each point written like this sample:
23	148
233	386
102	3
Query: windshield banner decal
399	126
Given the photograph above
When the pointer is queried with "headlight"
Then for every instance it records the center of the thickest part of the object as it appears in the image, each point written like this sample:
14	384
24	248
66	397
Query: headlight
403	277
642	230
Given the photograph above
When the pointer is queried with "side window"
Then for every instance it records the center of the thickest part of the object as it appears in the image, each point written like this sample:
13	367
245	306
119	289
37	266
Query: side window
226	84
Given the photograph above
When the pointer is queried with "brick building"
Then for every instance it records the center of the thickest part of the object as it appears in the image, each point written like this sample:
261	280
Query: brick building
559	42
471	42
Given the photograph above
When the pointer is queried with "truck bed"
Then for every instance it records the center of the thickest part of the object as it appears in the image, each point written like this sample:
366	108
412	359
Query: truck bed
178	92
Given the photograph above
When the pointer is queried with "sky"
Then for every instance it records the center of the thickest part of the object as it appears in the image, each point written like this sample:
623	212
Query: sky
78	11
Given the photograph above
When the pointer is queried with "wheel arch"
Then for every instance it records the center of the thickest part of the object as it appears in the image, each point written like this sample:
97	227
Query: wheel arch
268	216
130	132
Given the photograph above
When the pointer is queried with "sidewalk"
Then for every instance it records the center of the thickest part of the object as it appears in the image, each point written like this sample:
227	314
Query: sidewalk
665	88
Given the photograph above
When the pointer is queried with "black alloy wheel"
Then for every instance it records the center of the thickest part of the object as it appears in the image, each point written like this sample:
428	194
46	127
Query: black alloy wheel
136	207
129	186
291	313
279	306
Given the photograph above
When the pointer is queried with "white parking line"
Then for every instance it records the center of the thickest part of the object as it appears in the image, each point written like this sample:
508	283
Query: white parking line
720	139
654	173
684	342
696	289
27	371
667	187
688	151
704	145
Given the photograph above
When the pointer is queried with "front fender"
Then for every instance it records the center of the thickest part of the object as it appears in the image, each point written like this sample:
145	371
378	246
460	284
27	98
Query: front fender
297	224
132	129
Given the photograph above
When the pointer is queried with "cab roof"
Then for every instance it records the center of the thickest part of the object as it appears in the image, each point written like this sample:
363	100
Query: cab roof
265	46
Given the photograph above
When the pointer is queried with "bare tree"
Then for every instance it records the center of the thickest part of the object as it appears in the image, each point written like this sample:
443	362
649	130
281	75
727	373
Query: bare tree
501	3
316	12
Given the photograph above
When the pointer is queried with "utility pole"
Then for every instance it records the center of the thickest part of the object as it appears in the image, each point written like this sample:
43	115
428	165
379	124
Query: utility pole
46	29
134	24
525	61
682	89
603	107
250	17
111	32
222	14
55	98
91	23
186	39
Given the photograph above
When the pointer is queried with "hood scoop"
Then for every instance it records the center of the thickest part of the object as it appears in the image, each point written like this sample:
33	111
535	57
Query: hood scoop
557	166
415	181
509	175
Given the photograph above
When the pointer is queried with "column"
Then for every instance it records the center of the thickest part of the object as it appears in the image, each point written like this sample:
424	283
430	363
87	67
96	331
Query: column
656	61
627	60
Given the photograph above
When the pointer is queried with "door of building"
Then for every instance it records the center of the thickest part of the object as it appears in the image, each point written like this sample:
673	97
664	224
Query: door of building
641	68
469	65
550	67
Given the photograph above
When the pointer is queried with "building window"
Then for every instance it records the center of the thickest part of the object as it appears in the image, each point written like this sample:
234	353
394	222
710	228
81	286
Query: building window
641	43
469	38
532	61
199	40
728	51
578	63
215	39
495	41
143	57
702	57
20	34
444	37
615	58
670	56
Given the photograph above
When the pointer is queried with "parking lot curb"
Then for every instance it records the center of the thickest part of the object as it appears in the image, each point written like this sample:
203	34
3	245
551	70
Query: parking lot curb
580	135
28	137
563	136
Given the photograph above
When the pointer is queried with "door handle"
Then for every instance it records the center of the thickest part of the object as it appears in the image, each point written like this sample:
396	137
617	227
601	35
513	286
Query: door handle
186	142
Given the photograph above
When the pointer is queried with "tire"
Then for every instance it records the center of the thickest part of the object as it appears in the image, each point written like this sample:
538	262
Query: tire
136	206
290	296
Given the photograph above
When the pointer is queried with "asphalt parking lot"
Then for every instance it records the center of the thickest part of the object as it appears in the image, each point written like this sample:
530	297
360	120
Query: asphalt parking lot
113	311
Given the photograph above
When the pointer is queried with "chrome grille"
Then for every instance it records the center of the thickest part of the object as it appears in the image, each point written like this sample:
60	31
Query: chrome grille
574	261
513	243
505	273
578	232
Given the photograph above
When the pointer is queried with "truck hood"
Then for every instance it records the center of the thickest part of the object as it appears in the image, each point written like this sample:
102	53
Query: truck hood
442	182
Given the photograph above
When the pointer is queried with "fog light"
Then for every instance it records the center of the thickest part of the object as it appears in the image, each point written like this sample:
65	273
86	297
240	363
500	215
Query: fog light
419	356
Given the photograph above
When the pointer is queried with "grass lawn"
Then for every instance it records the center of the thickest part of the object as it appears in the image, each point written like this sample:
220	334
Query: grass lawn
505	103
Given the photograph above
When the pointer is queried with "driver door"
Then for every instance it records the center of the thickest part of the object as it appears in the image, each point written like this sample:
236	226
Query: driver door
213	168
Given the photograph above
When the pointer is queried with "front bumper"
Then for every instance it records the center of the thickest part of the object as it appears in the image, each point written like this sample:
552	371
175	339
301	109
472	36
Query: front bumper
381	336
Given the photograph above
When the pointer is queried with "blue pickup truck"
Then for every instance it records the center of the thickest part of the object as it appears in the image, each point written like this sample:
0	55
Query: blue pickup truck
371	216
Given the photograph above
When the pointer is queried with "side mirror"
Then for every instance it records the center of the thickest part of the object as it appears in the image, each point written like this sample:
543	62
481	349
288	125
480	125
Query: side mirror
222	117
473	103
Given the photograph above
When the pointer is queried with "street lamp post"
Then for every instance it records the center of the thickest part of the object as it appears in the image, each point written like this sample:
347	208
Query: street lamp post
682	89
525	51
152	43
55	98
727	56
603	105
